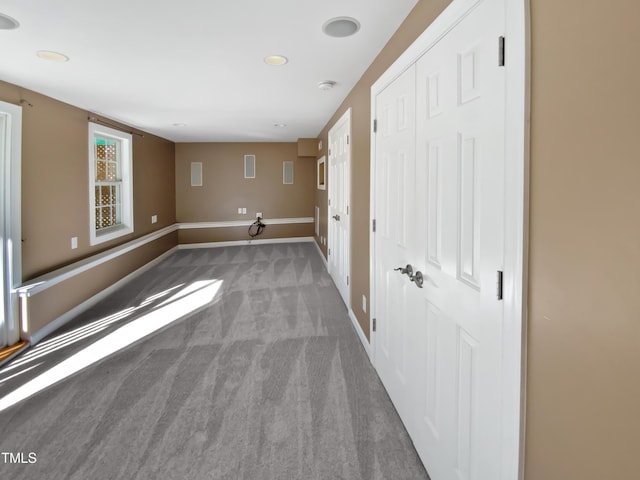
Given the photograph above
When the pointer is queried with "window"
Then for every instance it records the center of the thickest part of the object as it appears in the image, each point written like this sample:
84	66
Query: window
110	183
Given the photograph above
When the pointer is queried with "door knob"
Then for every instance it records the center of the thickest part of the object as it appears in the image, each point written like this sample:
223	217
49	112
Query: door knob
418	279
408	270
336	217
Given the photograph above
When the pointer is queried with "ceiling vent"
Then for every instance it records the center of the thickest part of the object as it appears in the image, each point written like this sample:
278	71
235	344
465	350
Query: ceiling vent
341	27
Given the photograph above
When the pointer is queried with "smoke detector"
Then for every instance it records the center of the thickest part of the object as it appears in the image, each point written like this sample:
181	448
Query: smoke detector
326	85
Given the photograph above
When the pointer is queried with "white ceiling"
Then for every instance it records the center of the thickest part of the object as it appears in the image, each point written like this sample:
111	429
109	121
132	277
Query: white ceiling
155	63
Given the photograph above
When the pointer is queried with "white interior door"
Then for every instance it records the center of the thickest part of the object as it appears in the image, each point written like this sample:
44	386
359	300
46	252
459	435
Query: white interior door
394	205
339	196
10	138
438	349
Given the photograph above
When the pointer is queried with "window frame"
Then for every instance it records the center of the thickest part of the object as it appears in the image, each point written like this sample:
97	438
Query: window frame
97	236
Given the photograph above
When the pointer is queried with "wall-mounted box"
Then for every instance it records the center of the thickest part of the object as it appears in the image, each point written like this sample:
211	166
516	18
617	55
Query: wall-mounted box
196	174
287	173
308	147
249	166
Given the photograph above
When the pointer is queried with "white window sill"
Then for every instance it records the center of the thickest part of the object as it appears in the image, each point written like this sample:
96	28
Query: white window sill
110	233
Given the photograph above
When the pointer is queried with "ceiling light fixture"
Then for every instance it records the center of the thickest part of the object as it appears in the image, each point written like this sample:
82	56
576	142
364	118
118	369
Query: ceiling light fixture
8	23
275	60
280	125
326	85
179	124
53	56
341	27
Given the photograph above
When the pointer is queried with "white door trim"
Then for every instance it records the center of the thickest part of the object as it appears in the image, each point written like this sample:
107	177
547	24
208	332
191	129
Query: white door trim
517	65
345	118
11	229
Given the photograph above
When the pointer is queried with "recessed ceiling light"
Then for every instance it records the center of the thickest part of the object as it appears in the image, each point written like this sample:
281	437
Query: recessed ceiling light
326	85
53	56
179	124
280	125
275	60
8	23
341	26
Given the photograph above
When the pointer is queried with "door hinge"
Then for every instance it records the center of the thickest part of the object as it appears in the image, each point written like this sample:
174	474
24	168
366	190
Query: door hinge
373	225
374	324
329	152
501	51
328	250
329	202
375	125
347	279
499	277
347	139
347	209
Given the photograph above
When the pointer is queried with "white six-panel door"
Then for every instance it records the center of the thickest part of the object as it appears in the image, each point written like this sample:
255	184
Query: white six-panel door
339	196
439	206
394	206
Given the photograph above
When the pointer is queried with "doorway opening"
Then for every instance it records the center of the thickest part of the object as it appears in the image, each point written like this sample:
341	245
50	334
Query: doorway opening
10	248
339	195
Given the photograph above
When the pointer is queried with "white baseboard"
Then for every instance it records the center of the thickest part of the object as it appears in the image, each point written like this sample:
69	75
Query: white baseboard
90	302
361	336
324	259
244	223
235	243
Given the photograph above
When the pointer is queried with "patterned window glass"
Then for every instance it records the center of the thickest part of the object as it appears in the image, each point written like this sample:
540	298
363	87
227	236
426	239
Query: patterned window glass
108	183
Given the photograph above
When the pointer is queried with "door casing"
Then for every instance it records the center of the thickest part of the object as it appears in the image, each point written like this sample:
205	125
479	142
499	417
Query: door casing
10	223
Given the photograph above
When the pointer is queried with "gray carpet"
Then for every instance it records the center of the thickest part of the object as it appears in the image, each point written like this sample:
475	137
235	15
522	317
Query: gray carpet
260	376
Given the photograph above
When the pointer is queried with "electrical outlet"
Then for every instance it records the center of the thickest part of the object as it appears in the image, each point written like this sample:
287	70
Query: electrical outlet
74	243
258	214
154	218
244	211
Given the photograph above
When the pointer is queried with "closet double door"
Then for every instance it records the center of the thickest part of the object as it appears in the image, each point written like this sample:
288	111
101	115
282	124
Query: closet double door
438	201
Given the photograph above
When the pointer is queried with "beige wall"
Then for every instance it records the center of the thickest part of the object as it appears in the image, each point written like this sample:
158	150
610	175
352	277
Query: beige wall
359	100
583	418
225	189
55	195
583	359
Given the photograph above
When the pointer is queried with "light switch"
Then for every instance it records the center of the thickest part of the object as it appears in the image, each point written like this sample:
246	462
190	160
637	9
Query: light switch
74	243
154	218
